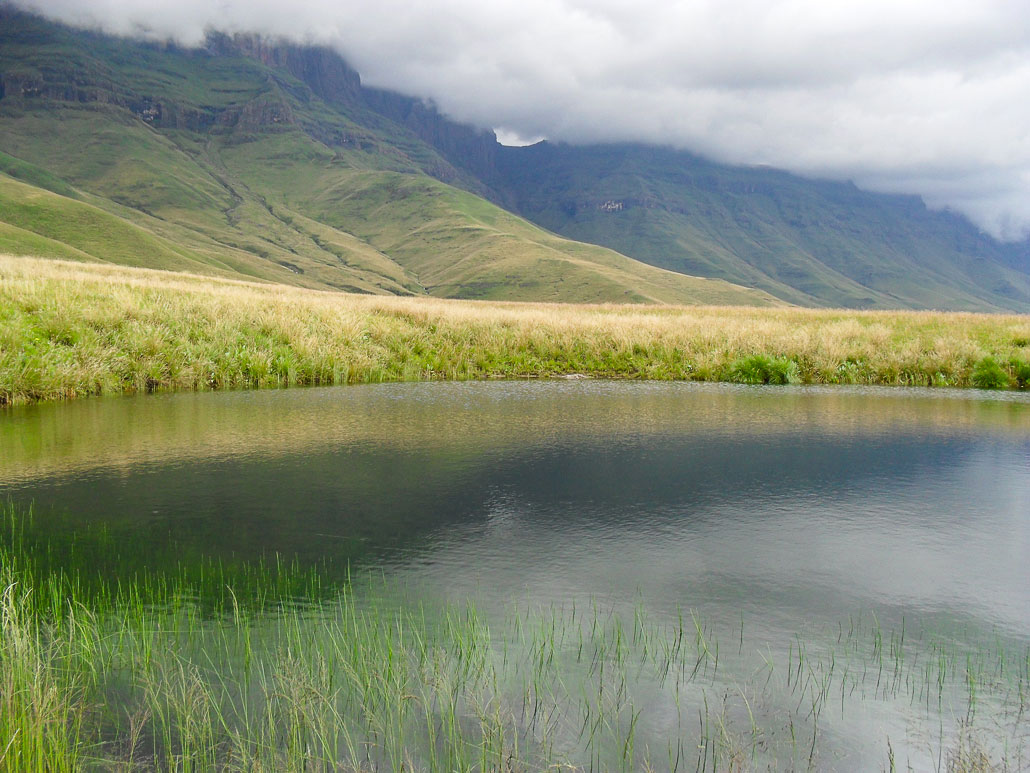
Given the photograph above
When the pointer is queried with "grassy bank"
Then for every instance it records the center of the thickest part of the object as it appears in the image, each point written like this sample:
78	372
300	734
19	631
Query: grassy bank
158	674
72	329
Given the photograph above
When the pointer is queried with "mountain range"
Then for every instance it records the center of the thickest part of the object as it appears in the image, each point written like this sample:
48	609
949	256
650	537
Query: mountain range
270	160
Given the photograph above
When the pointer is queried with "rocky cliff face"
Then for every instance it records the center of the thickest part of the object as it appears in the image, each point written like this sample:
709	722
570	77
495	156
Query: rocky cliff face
265	112
469	155
468	148
320	68
85	80
328	76
86	88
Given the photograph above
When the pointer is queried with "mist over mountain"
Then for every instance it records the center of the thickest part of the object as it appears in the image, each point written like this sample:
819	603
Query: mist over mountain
921	97
250	158
253	155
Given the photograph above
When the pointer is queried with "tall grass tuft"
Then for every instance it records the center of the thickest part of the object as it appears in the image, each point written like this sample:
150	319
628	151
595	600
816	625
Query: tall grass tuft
41	706
759	369
988	374
1020	372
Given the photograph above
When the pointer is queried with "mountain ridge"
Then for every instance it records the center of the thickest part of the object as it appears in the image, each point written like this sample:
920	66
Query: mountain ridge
254	143
813	242
235	164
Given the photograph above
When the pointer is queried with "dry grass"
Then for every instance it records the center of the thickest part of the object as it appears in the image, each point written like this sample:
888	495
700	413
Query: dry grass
73	329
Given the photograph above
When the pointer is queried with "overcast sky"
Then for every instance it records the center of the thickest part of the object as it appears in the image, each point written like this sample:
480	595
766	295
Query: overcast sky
919	96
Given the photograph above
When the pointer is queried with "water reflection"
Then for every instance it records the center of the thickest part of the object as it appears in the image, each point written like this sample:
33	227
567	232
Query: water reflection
128	432
784	505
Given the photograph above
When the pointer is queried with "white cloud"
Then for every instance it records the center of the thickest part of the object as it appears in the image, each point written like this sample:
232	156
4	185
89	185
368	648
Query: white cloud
922	96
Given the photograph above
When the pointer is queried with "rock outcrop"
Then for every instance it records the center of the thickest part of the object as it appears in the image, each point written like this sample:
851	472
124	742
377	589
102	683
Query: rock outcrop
320	68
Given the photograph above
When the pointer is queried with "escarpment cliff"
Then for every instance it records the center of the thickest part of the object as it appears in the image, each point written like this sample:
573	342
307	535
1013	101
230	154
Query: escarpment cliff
266	157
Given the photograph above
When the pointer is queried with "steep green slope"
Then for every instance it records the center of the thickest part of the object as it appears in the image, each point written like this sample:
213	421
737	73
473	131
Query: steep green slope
457	244
55	219
132	183
223	160
809	242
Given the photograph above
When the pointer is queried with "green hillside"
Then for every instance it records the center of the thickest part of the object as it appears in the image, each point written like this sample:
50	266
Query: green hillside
223	161
810	242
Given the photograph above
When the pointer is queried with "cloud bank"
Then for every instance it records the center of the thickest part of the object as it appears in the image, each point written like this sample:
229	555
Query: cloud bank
919	96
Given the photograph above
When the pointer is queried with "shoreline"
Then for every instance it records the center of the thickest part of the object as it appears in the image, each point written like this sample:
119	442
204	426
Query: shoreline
72	330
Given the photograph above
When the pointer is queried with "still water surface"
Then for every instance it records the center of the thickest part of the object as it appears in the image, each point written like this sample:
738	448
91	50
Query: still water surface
774	511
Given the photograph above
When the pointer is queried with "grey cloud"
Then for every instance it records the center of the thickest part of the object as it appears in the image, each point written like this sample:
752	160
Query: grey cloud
924	96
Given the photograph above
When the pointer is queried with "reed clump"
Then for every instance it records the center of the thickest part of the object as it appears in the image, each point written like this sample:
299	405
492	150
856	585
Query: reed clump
147	677
70	330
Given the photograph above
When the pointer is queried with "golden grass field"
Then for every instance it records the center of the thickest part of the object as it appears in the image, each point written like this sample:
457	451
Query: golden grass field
75	329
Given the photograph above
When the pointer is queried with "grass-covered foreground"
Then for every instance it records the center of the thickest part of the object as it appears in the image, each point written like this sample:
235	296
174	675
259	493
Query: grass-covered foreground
73	329
262	668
